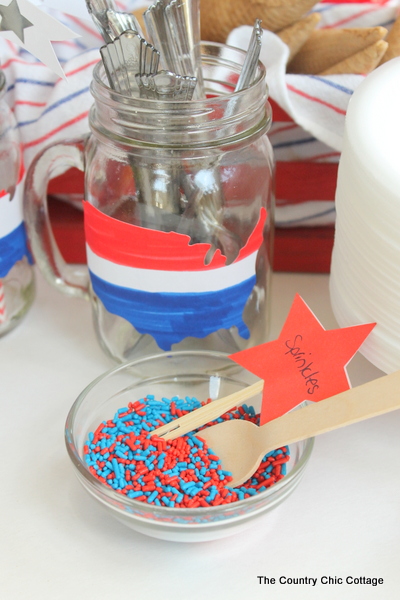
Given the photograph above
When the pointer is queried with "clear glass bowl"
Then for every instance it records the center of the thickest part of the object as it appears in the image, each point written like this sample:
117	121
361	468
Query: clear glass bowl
196	373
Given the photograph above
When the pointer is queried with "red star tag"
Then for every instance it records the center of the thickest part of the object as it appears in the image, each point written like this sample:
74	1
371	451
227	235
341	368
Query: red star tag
306	362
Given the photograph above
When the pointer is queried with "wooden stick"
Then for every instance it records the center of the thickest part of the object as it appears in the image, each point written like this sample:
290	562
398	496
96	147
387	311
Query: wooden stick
207	413
365	401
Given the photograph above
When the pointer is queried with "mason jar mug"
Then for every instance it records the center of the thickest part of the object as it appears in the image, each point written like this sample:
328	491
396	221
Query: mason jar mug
178	215
16	272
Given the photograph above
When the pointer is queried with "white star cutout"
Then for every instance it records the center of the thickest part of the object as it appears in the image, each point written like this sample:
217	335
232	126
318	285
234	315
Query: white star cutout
37	37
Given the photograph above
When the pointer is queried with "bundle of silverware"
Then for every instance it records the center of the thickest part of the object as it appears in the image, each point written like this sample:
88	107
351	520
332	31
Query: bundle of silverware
168	67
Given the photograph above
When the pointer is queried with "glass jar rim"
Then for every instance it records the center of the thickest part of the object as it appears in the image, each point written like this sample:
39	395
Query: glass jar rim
223	118
102	91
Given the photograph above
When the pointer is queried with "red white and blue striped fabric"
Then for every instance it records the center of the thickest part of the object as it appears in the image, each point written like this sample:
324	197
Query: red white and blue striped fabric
308	124
48	109
159	283
316	105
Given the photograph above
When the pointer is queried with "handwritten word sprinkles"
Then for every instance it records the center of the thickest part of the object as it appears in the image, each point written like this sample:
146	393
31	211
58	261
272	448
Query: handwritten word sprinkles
182	473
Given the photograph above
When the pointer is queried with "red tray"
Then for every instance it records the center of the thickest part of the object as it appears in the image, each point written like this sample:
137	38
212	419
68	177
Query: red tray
300	249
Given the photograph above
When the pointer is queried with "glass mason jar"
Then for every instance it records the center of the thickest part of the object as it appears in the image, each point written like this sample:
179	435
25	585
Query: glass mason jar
16	272
178	214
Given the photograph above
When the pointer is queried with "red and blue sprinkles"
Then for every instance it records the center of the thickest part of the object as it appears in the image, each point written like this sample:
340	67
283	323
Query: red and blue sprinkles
183	473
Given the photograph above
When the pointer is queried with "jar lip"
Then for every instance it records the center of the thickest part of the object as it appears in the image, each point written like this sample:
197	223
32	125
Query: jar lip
100	89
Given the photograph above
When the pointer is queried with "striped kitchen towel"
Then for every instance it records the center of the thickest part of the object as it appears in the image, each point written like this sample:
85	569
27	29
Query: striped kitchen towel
309	110
317	105
48	109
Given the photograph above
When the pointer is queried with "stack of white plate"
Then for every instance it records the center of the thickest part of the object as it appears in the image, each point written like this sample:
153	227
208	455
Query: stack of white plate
365	270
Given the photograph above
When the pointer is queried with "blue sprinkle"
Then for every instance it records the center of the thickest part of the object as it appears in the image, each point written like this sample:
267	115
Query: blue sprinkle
124	429
152	497
133	494
185	484
125	418
121	454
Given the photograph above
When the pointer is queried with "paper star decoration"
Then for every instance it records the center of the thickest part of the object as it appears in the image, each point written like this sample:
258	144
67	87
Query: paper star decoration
306	362
26	25
12	20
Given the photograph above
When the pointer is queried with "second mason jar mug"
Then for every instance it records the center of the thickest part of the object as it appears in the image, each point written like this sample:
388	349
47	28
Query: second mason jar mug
178	214
17	282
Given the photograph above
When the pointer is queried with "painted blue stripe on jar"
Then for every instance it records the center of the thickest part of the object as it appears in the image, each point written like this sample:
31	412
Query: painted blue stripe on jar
170	317
13	247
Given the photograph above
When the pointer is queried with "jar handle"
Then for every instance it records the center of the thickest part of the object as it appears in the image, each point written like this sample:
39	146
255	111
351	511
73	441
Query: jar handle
52	161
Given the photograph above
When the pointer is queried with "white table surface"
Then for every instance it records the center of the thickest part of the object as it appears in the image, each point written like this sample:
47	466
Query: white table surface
56	543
